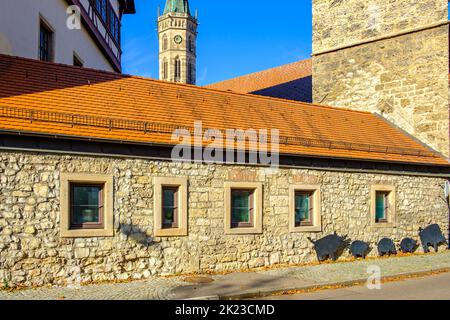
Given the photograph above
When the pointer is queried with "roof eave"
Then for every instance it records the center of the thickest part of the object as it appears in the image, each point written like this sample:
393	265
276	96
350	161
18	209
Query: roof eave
127	6
169	145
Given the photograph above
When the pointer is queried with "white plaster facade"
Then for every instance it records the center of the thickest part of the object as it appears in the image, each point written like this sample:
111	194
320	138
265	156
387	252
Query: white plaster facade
19	32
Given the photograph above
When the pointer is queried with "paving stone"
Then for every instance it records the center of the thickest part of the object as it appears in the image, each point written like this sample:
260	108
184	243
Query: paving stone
235	284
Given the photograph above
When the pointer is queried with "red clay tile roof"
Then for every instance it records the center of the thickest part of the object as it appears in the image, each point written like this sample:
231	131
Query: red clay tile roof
266	79
46	98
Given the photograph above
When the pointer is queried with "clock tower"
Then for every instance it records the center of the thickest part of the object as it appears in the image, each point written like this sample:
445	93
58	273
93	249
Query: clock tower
177	30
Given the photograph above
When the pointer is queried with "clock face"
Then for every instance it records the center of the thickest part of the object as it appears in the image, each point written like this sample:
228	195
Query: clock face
178	39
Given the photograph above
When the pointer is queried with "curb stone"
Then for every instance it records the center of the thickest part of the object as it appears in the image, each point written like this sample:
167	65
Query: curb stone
206	298
349	283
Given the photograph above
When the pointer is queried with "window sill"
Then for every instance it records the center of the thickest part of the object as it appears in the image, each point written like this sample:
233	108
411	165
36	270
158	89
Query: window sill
86	233
173	232
382	225
306	229
254	230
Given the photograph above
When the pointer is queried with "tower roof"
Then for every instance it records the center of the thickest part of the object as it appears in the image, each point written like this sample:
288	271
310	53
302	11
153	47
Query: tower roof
178	6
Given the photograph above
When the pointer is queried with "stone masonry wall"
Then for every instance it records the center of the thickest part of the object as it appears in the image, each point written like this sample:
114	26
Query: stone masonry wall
32	253
170	27
341	22
404	78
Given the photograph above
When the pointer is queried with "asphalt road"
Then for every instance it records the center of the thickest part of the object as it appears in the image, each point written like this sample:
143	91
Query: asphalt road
435	287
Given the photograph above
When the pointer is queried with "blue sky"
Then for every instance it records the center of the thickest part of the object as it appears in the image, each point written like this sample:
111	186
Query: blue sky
236	37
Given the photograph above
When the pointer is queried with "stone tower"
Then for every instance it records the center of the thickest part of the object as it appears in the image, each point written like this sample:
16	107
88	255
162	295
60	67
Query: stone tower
177	30
386	57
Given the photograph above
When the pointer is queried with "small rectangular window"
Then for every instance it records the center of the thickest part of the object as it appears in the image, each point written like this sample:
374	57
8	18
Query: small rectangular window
164	69
177	69
86	206
191	73
381	206
191	44
305	213
77	61
45	43
109	18
242	208
114	25
101	6
304	208
170	207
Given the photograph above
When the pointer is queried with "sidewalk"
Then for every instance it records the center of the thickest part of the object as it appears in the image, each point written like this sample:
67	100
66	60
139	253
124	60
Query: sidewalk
244	284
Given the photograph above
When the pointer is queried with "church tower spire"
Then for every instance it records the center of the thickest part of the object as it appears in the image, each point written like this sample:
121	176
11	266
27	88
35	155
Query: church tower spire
177	30
180	6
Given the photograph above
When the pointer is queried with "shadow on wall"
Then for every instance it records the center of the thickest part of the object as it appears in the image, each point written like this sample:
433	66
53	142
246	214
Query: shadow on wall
447	201
136	234
239	282
297	90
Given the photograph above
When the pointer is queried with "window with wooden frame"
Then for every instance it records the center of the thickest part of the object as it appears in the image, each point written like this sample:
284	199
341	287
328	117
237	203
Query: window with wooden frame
382	206
102	8
170	207
109	18
45	42
305	208
114	25
243	207
86	205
